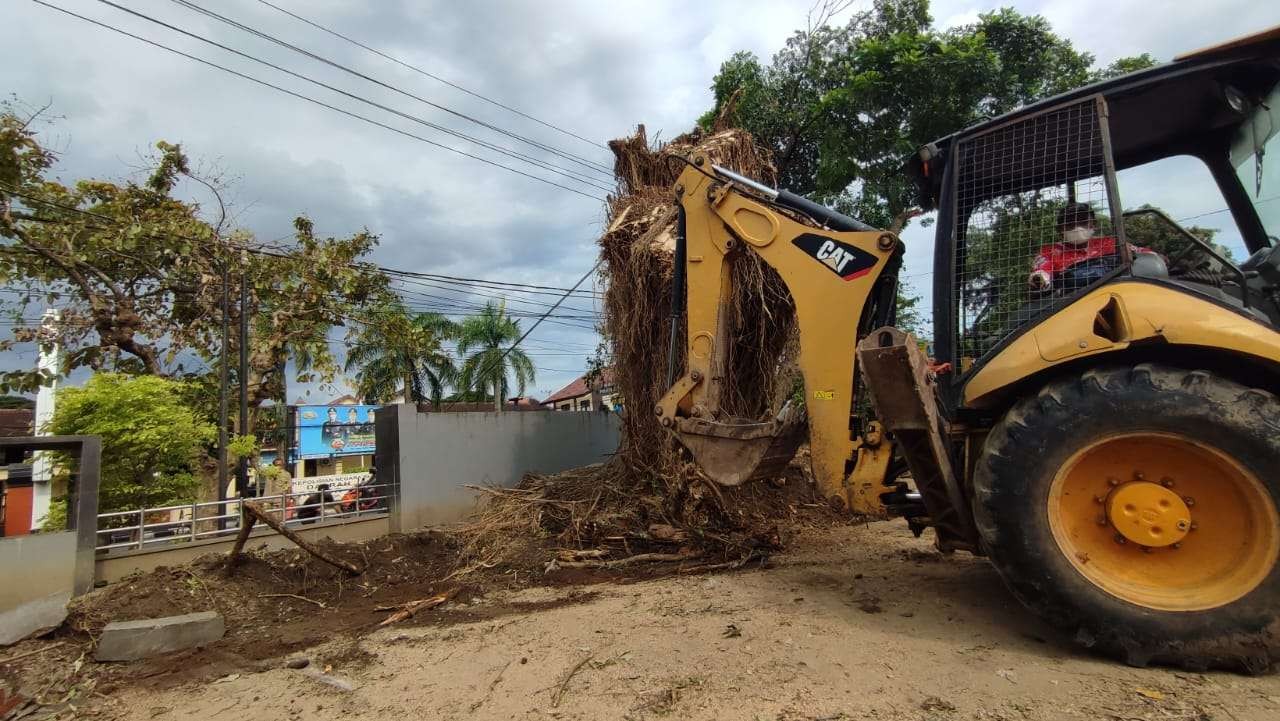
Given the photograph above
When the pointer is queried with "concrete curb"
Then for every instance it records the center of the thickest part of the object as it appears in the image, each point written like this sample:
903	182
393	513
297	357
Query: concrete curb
132	640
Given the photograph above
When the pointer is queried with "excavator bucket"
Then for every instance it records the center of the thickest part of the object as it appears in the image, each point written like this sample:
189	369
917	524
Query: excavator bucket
733	453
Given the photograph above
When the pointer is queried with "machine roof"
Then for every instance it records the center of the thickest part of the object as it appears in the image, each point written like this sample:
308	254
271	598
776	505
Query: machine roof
1165	110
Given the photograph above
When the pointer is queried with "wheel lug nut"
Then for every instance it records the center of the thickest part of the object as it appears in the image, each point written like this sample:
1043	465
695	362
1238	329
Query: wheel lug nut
1176	546
1139	476
1102	520
1183	525
1121	539
1113	481
1166	482
1145	549
1189	500
1194	525
1098	499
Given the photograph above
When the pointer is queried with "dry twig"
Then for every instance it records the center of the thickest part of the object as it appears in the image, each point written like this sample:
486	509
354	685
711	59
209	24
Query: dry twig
412	607
34	652
564	685
637	558
292	595
492	685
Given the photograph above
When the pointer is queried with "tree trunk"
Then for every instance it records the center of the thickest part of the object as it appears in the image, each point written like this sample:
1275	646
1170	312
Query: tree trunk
408	389
256	511
497	392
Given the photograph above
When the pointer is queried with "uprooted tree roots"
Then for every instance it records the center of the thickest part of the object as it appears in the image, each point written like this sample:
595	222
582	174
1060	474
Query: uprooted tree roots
649	502
603	517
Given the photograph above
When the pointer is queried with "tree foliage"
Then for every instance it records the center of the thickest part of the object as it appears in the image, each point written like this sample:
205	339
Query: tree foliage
138	273
152	440
1151	231
490	359
908	315
841	107
397	350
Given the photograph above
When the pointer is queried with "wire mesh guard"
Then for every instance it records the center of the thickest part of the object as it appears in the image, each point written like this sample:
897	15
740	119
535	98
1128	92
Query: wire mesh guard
1019	187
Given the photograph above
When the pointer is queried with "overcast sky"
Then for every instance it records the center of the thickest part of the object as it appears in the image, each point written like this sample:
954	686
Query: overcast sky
595	68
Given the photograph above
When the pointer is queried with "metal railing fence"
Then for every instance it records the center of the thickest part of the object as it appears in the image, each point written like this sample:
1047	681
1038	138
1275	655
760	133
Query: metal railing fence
185	523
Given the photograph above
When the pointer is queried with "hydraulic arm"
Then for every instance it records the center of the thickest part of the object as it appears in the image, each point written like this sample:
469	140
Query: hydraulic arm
831	265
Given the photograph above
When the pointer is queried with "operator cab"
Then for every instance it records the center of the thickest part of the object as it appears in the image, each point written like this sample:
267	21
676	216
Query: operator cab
1040	206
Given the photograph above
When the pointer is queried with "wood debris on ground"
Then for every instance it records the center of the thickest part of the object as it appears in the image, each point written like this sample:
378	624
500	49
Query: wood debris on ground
422	604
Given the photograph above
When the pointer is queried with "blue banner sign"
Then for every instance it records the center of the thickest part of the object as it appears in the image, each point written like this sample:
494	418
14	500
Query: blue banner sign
326	431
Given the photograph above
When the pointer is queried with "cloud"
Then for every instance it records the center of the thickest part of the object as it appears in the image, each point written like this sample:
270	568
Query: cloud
595	68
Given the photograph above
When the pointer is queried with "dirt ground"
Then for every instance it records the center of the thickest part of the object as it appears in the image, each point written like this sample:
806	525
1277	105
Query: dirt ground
851	622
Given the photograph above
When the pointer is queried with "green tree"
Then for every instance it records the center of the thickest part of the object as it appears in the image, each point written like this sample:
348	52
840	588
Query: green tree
841	107
908	315
397	349
1151	231
152	441
138	273
1124	66
486	340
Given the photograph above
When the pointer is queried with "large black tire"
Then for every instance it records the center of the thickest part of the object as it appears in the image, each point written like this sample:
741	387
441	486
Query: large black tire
1024	452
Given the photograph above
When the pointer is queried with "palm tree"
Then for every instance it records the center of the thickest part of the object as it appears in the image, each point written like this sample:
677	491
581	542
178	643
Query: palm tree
402	351
490	364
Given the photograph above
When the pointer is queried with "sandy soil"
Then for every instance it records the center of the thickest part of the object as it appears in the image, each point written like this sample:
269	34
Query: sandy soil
852	622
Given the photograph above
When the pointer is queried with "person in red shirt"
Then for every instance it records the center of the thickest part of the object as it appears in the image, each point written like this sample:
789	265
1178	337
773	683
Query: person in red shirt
1079	258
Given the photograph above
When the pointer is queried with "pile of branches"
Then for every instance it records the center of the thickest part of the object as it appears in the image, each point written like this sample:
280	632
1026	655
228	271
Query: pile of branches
650	498
638	248
601	516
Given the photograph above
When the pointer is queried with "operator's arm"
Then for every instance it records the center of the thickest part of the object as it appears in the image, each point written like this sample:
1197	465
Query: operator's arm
1042	269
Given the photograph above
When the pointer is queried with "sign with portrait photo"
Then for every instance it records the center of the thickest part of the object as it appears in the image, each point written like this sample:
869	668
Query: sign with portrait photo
328	431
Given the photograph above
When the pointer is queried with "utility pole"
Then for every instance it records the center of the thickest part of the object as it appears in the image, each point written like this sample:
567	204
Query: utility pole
242	469
284	434
50	363
224	372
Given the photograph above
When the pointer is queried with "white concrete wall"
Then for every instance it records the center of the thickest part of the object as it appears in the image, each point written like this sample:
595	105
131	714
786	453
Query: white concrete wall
440	454
37	575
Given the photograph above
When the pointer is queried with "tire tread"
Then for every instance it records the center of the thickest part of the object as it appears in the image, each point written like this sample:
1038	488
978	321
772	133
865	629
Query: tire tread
996	477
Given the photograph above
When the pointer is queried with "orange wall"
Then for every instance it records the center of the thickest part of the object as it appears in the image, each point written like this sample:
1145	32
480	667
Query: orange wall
17	511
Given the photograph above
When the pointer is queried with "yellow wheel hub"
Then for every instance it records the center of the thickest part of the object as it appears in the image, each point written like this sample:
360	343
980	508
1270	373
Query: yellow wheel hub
1164	521
1149	514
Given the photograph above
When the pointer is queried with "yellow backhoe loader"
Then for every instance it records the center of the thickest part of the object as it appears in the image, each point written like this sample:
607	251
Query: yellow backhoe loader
1098	414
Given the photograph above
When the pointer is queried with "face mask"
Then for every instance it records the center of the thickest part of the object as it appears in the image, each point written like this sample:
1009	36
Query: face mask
1077	236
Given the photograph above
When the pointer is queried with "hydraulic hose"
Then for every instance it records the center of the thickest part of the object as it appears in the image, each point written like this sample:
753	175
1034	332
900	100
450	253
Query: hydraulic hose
677	294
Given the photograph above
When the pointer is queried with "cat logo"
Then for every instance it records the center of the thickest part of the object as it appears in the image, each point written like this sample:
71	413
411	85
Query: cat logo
842	259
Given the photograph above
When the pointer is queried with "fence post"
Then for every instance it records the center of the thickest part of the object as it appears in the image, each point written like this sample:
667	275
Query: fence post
142	525
193	520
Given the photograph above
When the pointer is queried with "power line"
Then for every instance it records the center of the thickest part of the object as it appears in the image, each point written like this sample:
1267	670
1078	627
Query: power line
308	99
540	164
1223	210
589	164
490	367
468	292
498	283
437	78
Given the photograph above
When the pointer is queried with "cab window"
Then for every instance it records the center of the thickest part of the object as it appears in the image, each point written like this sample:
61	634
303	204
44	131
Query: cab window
1255	153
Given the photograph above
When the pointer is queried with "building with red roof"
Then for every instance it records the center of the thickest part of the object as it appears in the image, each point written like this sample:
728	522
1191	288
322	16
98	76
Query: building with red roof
580	396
